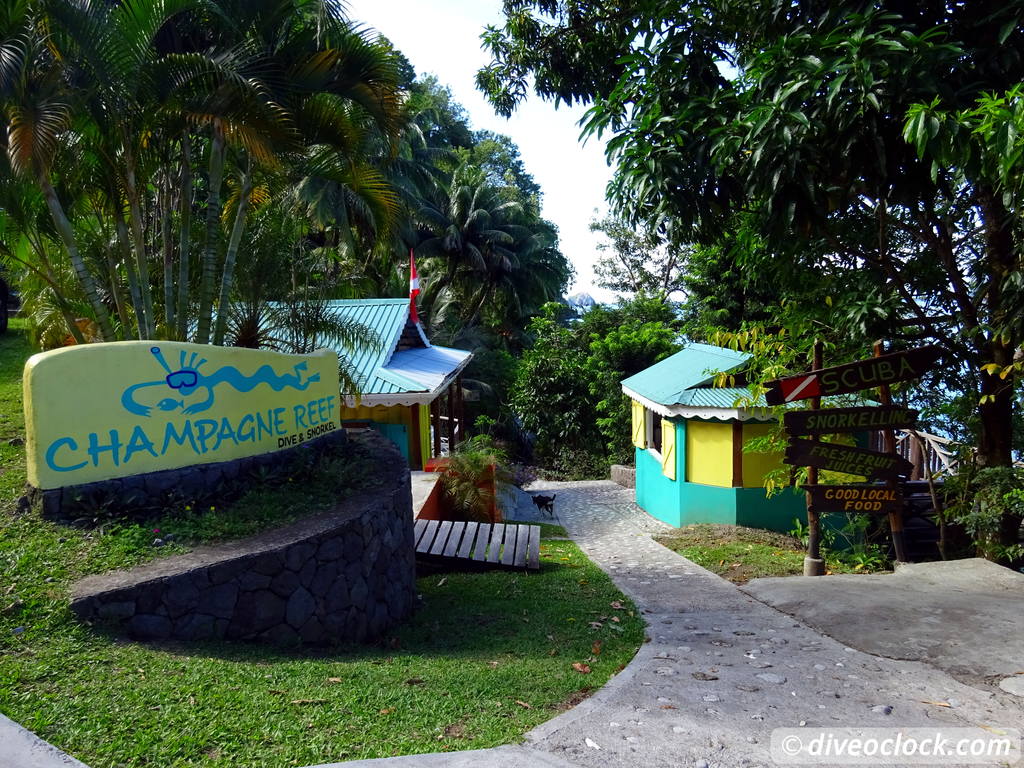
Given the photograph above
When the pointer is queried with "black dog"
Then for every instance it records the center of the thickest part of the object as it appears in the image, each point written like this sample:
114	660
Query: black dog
546	503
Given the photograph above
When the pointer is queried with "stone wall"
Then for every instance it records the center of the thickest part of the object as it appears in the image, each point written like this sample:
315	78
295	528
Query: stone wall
345	575
623	475
138	495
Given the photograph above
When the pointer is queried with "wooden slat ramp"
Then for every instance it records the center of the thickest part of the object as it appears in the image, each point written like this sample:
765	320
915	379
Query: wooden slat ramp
502	545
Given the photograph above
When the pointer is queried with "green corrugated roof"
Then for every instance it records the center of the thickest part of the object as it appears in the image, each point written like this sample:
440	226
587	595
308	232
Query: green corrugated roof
386	318
720	397
674	381
380	369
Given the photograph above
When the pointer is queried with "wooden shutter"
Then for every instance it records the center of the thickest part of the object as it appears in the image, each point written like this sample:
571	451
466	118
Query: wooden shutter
668	449
639	427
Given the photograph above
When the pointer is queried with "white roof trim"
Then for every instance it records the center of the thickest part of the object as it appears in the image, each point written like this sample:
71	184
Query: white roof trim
699	412
423	334
398	398
409	398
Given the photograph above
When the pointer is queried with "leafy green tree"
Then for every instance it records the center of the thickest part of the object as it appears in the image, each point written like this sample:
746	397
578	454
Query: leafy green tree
623	352
637	262
149	116
808	138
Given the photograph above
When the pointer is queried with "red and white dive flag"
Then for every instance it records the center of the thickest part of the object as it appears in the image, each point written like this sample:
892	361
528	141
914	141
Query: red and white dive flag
414	288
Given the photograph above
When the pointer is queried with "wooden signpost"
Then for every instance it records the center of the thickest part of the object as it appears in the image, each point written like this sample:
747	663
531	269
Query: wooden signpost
870	499
846	458
829	421
854	377
880	371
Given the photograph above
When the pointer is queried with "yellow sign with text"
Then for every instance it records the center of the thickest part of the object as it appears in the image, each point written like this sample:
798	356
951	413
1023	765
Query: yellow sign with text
99	411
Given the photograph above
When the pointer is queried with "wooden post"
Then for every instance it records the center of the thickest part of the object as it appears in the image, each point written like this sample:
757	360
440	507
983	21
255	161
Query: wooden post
460	408
451	419
737	454
889	446
814	565
435	424
415	449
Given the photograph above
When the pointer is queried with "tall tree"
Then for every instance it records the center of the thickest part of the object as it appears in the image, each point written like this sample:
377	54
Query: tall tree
808	135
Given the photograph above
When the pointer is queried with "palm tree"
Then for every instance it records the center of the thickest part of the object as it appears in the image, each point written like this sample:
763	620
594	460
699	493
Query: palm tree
171	101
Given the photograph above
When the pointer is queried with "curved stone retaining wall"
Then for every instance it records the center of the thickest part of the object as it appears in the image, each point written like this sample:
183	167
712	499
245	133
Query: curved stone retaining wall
348	574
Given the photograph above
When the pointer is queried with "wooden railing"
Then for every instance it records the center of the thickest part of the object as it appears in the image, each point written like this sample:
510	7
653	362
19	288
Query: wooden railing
927	452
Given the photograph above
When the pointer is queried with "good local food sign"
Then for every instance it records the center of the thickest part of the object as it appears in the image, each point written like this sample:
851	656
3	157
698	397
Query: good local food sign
99	411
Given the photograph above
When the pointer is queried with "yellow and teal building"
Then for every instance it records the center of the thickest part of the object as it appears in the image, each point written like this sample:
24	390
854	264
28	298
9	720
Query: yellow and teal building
688	438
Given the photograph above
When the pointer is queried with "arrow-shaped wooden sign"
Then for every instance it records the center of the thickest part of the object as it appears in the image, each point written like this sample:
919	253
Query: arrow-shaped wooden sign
829	421
873	499
853	377
845	458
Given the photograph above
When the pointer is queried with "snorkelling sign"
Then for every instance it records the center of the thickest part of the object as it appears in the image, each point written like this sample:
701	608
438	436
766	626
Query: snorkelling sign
100	411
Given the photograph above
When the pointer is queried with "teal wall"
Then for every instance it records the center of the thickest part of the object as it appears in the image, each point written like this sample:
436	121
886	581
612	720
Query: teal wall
655	493
680	503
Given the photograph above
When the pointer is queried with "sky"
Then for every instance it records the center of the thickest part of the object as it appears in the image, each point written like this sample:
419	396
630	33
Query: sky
442	37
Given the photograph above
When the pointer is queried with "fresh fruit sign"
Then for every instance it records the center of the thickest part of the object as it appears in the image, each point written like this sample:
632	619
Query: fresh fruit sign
98	411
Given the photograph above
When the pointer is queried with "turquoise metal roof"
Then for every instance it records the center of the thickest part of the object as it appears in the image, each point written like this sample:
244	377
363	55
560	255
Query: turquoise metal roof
720	397
380	370
674	381
386	318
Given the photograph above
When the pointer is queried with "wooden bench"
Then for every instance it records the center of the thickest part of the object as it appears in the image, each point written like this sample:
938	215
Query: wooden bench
502	545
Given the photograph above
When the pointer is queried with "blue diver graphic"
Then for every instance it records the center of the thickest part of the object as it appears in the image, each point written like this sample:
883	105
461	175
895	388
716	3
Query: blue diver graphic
188	379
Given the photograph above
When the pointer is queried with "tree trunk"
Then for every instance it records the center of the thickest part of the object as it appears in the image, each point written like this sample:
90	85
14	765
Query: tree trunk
85	278
167	230
185	243
133	278
995	444
228	274
209	274
146	325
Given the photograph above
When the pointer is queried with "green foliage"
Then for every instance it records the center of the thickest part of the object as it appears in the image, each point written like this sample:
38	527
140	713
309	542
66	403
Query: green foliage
551	396
476	474
989	503
567	390
873	149
637	262
624	351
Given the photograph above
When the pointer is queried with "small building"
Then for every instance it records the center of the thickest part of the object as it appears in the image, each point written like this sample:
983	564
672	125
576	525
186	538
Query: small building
689	436
409	389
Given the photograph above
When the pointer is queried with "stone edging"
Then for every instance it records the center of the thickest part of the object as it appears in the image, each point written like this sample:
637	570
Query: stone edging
345	575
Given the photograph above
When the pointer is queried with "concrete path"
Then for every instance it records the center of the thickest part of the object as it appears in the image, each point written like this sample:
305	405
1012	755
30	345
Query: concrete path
965	617
721	670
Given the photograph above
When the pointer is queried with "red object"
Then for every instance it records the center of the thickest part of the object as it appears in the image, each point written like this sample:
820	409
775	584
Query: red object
800	387
414	288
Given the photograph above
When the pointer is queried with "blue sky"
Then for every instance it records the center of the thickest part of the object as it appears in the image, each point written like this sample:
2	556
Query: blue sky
443	37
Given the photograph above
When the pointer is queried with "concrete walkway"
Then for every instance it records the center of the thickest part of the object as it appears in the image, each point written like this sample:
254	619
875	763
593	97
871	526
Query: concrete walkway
721	670
965	617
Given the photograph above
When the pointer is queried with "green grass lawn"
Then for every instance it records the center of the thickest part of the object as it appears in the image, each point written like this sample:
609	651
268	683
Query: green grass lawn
740	554
488	656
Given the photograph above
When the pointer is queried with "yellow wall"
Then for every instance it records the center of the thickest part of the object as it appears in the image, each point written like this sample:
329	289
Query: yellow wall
709	453
394	414
99	411
757	465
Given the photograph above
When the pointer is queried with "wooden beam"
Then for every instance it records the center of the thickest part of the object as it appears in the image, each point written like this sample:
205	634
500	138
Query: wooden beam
737	454
435	424
451	418
415	449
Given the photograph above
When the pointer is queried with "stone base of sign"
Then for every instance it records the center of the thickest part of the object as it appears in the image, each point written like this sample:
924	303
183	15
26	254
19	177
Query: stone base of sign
814	566
623	475
345	575
137	496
